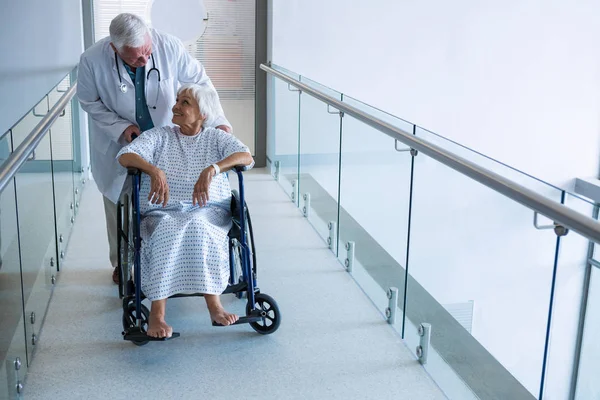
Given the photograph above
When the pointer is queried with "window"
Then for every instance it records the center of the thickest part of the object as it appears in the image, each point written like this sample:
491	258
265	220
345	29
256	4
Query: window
227	51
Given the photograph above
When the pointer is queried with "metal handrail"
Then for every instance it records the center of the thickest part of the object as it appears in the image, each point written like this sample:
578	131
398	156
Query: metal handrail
584	225
18	157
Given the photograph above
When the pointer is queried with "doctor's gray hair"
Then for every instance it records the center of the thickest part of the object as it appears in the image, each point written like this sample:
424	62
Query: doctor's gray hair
207	98
128	30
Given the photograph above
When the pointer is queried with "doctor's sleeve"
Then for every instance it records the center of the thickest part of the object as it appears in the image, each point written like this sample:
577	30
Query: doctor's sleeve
192	71
90	101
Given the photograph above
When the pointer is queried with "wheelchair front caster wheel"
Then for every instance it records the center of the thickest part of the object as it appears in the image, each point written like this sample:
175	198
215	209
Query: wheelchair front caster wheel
130	321
271	317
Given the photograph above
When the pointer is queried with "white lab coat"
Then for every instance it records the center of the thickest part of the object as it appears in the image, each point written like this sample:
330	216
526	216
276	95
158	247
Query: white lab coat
112	111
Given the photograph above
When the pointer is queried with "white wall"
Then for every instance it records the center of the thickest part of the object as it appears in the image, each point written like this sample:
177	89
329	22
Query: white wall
515	80
41	42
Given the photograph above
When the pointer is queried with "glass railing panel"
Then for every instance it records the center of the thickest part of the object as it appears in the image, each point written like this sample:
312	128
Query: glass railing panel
283	121
319	163
24	127
588	384
12	329
37	235
481	275
490	163
61	136
569	291
374	200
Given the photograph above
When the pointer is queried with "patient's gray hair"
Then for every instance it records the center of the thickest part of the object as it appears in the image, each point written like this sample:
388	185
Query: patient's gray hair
207	98
128	30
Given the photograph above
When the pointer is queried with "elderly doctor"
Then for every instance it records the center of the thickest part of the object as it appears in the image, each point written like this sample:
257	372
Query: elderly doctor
127	84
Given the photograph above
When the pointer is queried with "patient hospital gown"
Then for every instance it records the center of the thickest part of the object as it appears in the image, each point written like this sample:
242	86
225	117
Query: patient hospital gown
185	247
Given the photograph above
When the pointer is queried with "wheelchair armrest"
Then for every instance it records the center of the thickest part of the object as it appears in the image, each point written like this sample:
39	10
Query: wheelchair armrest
241	168
133	171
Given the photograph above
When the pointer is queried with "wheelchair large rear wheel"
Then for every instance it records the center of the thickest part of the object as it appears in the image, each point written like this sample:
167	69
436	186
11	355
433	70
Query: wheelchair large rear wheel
237	254
126	246
270	313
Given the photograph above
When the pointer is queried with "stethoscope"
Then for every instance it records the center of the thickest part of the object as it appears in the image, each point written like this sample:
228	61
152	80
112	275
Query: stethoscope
123	86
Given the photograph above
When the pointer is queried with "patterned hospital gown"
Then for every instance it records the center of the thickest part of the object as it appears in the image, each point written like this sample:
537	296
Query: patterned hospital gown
185	247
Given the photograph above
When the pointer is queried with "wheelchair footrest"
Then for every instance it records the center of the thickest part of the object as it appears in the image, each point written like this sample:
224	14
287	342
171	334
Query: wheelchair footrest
139	336
248	319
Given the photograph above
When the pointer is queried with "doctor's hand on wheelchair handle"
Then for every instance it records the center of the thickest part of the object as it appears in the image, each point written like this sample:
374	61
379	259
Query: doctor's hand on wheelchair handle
224	128
131	133
159	189
200	195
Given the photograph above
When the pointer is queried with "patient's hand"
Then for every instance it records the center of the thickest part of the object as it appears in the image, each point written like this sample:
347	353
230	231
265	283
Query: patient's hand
200	195
159	189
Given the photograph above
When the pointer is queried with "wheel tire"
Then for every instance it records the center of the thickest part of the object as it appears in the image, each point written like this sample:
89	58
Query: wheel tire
272	318
129	320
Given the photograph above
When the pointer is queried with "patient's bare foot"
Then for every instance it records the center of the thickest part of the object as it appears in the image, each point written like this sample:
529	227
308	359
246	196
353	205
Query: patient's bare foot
158	328
220	316
217	312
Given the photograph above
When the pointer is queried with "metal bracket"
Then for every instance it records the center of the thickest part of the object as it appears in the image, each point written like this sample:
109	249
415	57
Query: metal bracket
306	208
62	91
63	113
340	113
42	115
293	90
559	230
594	262
390	311
294	188
400	150
537	225
413	152
332	232
277	170
13	379
349	262
423	347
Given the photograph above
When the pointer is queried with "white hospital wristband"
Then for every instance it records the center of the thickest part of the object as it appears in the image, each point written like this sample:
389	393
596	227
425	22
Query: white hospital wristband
217	169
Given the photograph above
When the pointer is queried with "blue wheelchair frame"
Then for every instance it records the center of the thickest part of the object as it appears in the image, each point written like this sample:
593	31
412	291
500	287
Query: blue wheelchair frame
260	307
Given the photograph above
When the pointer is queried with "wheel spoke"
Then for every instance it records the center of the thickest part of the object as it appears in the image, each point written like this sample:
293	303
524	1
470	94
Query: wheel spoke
266	307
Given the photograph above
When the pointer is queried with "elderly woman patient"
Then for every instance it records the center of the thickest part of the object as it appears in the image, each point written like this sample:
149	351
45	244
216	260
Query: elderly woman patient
187	216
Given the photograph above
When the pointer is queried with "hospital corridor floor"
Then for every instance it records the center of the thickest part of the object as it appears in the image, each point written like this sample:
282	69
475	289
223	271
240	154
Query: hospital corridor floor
332	342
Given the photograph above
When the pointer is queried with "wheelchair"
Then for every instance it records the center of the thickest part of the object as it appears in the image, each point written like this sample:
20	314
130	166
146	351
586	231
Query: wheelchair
262	311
